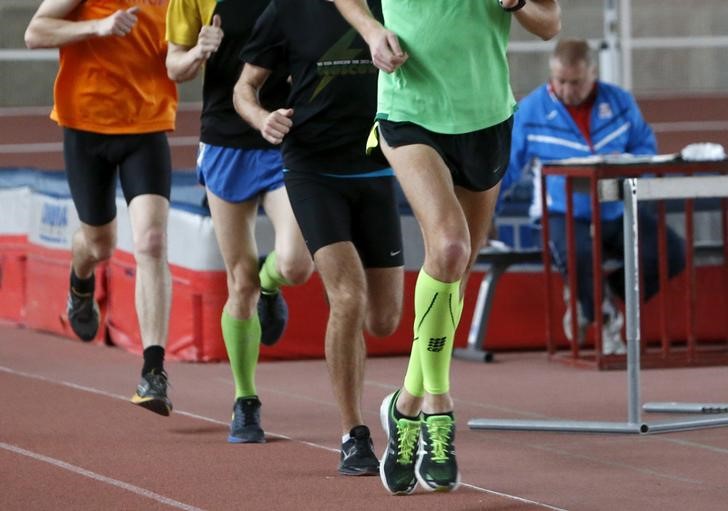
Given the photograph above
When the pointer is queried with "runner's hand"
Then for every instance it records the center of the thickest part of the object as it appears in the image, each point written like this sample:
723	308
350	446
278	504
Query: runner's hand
277	125
210	37
386	52
119	24
507	4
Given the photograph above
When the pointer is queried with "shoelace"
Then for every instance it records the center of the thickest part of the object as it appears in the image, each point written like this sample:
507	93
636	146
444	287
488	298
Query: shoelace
157	380
80	306
408	433
247	416
440	431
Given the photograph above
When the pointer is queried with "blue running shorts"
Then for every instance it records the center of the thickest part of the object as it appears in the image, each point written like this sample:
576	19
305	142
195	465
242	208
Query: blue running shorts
238	175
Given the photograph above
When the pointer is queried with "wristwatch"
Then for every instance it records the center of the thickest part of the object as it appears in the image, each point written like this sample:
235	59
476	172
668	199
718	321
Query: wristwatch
517	7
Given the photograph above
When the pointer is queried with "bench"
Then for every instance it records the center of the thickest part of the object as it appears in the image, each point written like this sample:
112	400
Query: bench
498	261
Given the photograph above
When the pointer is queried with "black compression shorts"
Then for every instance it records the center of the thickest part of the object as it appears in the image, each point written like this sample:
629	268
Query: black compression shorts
477	160
362	210
92	160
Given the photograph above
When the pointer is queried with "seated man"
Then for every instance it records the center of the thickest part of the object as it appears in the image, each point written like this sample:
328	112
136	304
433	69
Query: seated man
576	115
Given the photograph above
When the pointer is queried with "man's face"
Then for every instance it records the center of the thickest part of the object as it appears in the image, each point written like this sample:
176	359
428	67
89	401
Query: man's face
572	84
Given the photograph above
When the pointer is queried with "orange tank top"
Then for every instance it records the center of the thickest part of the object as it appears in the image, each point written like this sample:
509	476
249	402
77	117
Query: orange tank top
117	85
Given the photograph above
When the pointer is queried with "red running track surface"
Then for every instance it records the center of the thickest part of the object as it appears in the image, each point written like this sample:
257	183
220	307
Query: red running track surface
70	440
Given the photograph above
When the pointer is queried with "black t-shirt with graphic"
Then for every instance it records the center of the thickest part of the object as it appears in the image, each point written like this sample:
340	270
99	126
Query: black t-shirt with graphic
221	124
334	83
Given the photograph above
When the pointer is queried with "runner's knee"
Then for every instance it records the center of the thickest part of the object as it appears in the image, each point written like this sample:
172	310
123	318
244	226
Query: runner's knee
295	270
100	245
151	243
450	256
383	323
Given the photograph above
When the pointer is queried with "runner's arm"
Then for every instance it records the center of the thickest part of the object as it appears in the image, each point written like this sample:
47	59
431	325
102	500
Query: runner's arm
384	46
184	62
541	18
48	27
273	126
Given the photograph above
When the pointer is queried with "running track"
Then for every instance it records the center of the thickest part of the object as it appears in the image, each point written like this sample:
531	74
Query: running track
70	440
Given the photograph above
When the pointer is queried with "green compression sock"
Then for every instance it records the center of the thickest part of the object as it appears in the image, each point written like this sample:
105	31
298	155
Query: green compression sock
459	312
413	378
437	307
242	341
270	279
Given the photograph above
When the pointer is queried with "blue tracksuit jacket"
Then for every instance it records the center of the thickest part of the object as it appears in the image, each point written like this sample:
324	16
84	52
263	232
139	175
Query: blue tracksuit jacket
543	131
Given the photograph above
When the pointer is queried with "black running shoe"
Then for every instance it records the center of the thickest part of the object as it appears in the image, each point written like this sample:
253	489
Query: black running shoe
272	313
245	426
397	466
437	468
151	393
83	314
357	454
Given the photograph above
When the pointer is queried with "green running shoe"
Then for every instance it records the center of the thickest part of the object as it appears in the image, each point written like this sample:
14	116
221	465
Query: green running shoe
437	467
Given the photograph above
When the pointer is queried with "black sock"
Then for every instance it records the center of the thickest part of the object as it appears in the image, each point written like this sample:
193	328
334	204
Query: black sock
153	360
399	415
426	415
82	286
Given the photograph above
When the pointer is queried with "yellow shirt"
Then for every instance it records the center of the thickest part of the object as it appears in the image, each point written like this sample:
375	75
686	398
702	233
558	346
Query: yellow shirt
185	19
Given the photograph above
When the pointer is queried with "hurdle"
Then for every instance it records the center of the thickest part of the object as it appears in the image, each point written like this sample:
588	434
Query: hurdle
635	190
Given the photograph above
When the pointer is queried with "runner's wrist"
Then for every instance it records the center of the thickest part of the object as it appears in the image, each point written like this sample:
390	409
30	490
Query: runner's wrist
520	5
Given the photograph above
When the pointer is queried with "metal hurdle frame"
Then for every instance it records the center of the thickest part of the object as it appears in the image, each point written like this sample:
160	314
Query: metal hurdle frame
635	190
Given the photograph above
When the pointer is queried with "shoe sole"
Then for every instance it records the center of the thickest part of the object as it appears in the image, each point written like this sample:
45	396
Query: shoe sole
384	419
237	440
358	472
159	406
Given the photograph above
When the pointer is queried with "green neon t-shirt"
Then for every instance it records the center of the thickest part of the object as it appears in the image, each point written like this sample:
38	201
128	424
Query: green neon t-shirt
456	79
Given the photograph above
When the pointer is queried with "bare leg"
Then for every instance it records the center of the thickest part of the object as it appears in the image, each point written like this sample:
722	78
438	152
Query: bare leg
344	280
384	299
153	291
292	258
235	233
479	209
92	245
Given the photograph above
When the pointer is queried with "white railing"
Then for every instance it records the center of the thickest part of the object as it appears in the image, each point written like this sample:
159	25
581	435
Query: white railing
616	45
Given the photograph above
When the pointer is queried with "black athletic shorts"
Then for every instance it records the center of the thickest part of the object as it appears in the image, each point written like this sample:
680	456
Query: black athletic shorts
477	160
362	210
92	159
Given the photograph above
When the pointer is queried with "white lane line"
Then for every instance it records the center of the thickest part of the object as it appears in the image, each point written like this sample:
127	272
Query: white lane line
100	392
689	443
93	390
142	492
513	497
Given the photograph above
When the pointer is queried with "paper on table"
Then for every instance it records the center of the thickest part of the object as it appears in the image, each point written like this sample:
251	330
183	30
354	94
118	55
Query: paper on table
624	159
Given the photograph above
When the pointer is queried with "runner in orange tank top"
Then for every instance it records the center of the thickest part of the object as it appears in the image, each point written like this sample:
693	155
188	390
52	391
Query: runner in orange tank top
115	104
